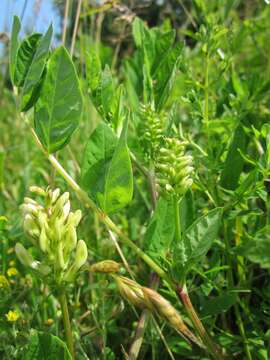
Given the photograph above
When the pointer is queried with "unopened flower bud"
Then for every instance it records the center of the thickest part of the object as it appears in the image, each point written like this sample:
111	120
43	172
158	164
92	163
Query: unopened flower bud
43	240
37	190
23	255
55	195
105	266
81	254
29	224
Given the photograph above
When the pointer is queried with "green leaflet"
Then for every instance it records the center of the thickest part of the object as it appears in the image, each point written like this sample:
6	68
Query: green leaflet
34	74
234	162
97	156
106	169
25	55
256	250
219	304
44	346
93	70
119	180
107	96
197	239
14	43
160	231
58	109
164	76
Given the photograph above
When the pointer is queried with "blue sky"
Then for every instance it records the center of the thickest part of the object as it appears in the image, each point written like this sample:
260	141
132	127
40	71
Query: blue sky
37	16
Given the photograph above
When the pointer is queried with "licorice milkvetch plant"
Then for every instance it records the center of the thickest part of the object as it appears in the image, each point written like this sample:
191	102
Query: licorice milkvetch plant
50	100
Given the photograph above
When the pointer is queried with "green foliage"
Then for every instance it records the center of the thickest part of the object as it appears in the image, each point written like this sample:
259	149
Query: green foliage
58	109
44	346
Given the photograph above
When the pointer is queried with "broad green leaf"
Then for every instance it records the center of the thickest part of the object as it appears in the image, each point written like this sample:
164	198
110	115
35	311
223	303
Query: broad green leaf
160	231
34	74
118	189
199	237
219	304
14	44
44	346
58	109
25	57
97	157
234	162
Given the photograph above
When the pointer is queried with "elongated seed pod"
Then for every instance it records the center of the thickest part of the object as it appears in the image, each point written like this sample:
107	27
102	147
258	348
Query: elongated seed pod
165	310
144	297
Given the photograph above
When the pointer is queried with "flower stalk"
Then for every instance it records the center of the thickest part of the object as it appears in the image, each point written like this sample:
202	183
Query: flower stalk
66	321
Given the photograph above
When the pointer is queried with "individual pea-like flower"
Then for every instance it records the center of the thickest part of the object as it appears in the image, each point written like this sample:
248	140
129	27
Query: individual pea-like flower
151	130
173	168
51	227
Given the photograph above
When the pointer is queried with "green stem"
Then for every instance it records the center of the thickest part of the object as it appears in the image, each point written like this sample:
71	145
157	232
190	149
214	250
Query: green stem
212	348
66	321
178	234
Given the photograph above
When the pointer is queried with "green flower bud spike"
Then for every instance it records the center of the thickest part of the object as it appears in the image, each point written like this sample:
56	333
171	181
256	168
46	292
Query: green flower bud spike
173	168
151	130
52	228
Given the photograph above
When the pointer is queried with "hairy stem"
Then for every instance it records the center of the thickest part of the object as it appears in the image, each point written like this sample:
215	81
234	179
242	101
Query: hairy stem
66	321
